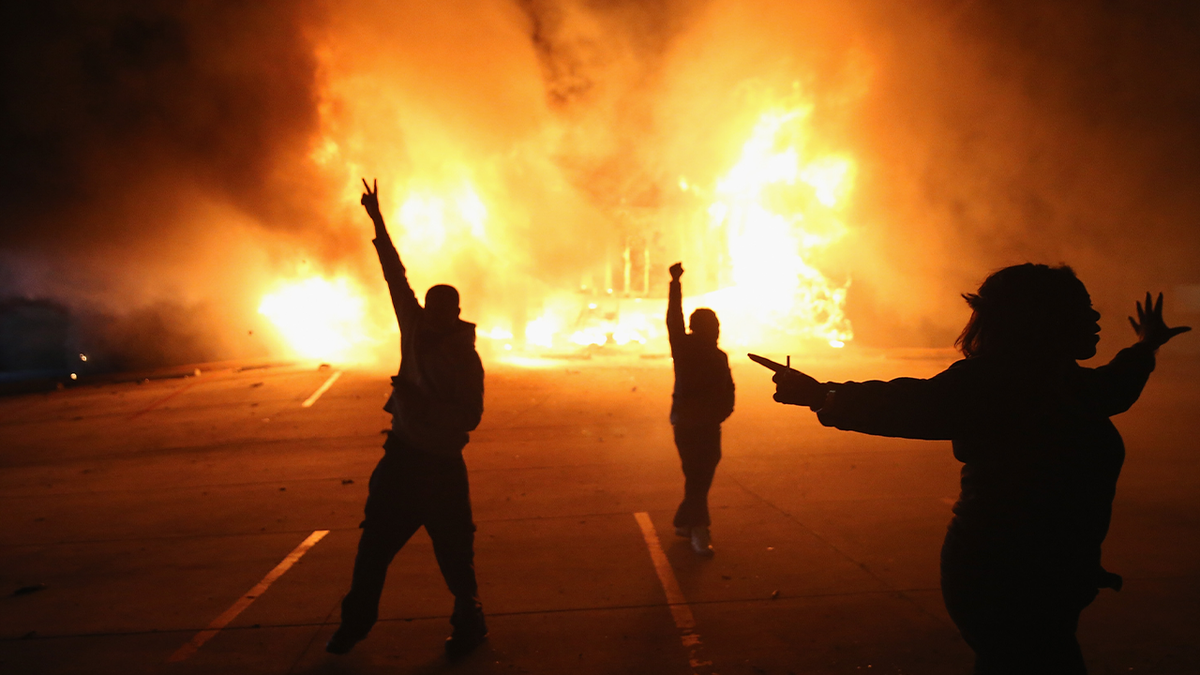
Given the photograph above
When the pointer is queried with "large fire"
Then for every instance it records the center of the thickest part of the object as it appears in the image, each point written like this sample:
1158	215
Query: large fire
774	210
765	220
320	318
750	241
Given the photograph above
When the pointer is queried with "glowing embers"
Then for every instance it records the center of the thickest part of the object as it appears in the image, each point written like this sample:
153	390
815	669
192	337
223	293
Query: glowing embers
319	318
774	210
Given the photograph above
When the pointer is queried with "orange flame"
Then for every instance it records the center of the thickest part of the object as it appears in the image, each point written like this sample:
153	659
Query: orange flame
774	209
766	221
319	318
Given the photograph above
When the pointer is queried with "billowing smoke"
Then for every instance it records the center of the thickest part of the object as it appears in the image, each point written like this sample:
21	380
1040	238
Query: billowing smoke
1001	132
170	160
146	145
987	134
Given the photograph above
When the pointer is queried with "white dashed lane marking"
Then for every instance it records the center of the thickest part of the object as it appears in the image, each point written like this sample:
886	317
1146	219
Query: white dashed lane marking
321	390
244	601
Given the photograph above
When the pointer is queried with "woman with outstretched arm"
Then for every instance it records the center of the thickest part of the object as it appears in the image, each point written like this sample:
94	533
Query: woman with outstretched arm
1041	458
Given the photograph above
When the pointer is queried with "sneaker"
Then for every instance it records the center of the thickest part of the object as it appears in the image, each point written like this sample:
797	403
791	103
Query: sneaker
685	532
461	643
701	541
466	637
341	642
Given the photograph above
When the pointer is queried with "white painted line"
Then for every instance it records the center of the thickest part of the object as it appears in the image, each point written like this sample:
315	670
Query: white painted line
321	390
685	621
244	602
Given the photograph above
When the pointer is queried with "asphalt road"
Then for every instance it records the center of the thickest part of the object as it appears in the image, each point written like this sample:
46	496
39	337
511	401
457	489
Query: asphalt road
137	515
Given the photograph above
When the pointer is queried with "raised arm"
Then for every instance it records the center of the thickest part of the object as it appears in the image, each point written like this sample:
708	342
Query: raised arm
1119	383
675	326
403	299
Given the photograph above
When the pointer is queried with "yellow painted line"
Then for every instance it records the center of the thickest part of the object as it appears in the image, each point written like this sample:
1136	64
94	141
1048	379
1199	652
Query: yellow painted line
681	612
244	601
321	390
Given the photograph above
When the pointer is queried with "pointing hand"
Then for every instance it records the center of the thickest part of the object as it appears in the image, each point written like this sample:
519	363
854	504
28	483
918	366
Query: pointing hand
796	388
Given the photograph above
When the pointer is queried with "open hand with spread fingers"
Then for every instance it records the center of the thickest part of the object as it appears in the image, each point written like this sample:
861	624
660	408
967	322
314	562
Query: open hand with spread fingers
1150	327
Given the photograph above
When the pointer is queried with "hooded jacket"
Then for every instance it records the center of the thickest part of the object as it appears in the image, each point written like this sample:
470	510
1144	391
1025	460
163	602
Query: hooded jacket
704	391
437	397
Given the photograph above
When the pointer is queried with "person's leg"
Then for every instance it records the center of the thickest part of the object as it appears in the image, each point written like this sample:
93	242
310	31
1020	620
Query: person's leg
1053	619
390	522
1039	642
377	546
452	529
699	453
1022	625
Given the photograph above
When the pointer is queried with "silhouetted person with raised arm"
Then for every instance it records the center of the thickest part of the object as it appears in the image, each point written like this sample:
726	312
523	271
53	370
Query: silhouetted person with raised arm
1021	558
437	398
702	400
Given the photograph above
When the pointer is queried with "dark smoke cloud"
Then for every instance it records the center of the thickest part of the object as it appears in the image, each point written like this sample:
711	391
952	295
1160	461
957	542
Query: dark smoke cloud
105	100
577	62
1002	132
602	64
122	123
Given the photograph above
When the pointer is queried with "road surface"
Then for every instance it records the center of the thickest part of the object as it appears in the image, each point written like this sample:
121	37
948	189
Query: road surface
208	524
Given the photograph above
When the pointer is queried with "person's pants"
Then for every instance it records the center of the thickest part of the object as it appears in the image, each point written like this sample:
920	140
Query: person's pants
1017	623
699	452
408	490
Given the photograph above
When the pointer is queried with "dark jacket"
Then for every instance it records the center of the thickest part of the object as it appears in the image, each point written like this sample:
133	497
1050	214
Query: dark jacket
1040	456
437	397
703	384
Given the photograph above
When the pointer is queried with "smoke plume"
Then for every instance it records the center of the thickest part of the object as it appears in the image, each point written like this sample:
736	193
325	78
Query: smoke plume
174	159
